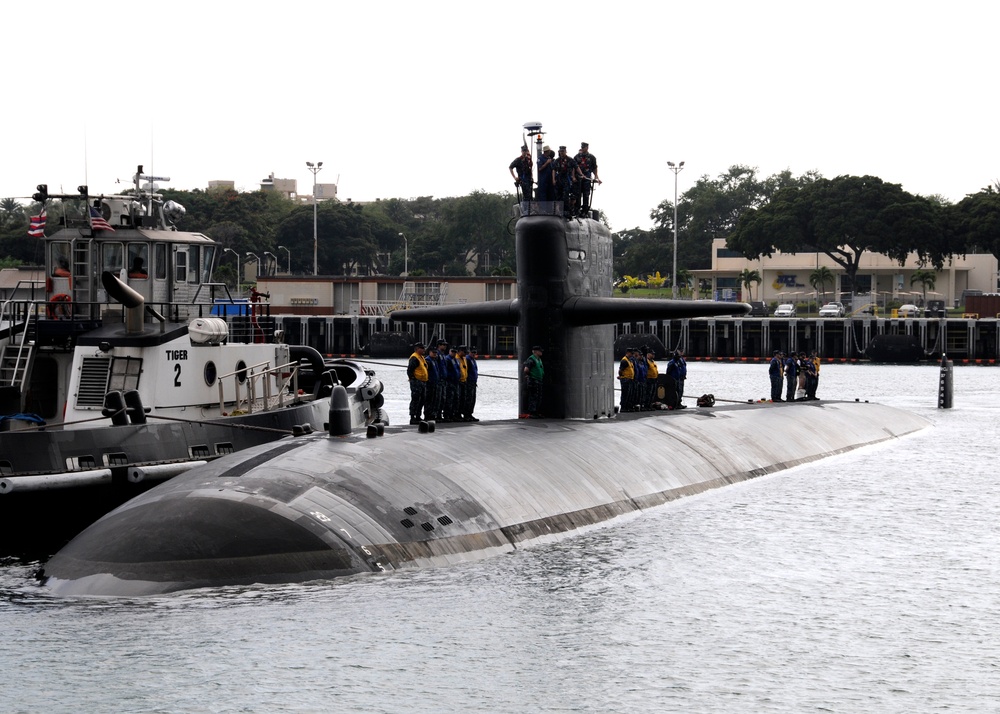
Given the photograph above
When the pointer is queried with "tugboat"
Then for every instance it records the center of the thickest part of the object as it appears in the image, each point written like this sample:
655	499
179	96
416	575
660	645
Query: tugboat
132	370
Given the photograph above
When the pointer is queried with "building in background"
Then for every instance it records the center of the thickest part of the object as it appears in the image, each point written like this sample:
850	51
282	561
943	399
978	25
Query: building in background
785	277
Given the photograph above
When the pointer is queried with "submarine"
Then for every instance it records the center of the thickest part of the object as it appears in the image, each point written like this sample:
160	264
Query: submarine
347	502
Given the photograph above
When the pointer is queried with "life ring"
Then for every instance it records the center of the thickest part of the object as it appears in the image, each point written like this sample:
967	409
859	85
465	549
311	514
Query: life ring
59	307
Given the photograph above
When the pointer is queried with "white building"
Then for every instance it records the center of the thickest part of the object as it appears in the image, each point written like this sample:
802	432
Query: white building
785	277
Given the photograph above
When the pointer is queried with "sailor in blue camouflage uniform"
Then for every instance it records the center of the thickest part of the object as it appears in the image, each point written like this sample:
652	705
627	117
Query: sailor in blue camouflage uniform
566	171
587	163
433	379
546	180
677	371
520	169
639	385
791	376
441	393
471	385
775	372
451	379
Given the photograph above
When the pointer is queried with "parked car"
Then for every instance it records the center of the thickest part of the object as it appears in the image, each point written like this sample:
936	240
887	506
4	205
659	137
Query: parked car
935	308
832	309
785	310
758	309
908	310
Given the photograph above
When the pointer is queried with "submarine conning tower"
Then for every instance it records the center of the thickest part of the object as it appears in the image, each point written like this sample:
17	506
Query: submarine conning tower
565	305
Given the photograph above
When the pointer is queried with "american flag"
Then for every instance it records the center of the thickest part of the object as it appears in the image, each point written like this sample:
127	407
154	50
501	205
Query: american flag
97	221
37	227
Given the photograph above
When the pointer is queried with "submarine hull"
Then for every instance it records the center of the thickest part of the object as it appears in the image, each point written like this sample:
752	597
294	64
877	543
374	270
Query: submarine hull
318	507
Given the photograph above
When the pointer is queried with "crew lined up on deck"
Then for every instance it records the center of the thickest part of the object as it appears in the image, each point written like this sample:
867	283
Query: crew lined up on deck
560	177
800	372
639	375
443	382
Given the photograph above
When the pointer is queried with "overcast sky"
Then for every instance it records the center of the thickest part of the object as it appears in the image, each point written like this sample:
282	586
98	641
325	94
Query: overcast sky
403	99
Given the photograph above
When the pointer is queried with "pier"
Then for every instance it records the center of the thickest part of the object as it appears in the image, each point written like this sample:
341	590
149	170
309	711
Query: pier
963	339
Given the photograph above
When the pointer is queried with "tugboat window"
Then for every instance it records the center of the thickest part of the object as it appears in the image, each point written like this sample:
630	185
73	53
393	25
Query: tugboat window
180	266
210	373
138	261
193	275
241	371
60	260
125	373
160	254
207	258
113	258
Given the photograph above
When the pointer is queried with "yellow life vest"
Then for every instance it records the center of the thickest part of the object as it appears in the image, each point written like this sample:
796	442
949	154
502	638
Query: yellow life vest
420	371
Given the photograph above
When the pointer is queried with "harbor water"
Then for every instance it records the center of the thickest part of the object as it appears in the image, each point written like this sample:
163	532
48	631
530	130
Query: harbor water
864	582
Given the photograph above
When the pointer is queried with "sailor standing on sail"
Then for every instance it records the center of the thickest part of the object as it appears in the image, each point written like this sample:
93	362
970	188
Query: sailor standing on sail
546	178
566	172
523	177
588	170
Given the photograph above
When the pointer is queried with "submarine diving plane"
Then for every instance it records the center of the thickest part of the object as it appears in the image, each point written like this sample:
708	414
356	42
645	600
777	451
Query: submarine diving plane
340	503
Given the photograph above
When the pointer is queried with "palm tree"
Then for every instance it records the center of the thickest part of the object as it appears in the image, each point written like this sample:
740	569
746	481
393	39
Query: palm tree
683	279
927	278
820	277
749	278
11	212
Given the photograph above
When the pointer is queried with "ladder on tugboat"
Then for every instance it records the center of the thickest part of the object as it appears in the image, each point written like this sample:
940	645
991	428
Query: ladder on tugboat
16	357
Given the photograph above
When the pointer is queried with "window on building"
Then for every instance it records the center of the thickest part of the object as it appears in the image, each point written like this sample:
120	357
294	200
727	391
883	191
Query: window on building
727	253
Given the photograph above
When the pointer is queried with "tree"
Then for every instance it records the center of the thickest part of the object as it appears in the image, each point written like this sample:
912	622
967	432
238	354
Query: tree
345	242
11	213
927	278
749	278
844	218
684	278
478	231
712	209
975	222
637	252
819	279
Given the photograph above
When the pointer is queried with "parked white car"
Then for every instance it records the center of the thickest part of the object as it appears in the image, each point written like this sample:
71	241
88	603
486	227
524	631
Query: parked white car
908	311
832	309
785	310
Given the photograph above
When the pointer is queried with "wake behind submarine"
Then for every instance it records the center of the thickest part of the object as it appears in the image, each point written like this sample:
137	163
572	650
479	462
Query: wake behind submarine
337	504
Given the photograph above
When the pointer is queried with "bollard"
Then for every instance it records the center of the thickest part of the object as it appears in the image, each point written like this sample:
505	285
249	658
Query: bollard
945	383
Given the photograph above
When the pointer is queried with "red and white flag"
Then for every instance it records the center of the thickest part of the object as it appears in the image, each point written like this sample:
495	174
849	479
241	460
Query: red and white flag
97	221
37	227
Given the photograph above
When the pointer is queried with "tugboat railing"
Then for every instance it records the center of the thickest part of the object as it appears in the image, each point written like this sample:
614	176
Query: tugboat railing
258	395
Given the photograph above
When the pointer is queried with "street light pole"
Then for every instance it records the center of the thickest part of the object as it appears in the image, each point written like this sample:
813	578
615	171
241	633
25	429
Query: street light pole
281	247
406	255
315	168
676	168
239	278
